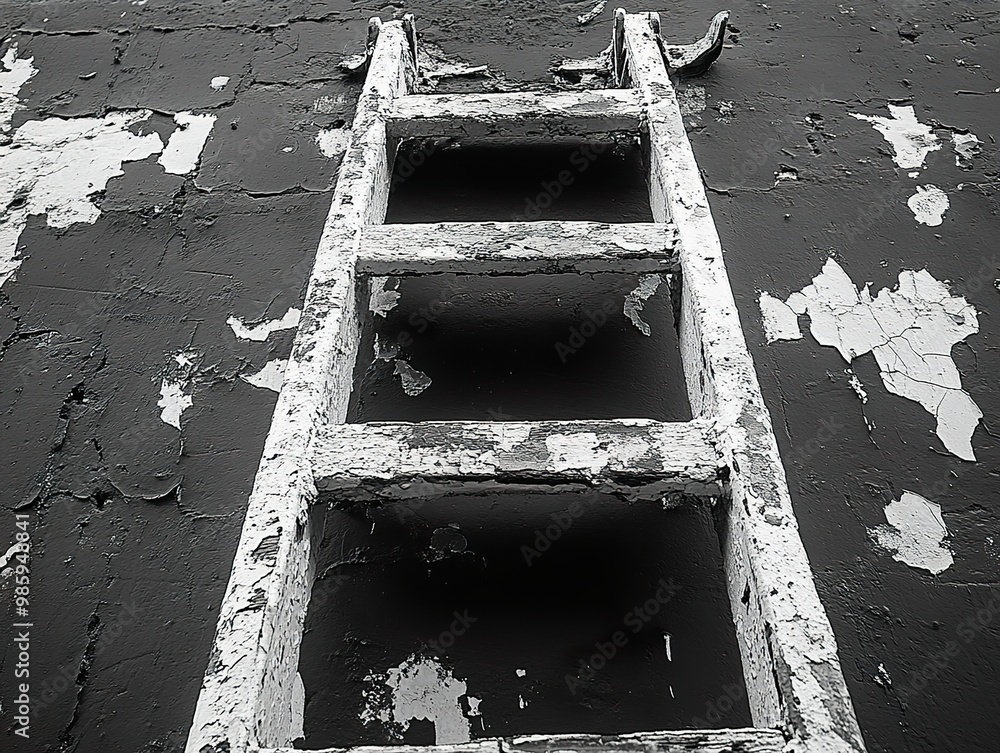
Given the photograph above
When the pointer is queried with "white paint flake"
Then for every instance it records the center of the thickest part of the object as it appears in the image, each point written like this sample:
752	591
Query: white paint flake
915	533
56	165
333	142
780	322
883	678
911	331
173	401
268	378
635	300
928	205
414	381
219	83
186	142
666	640
418	689
474	706
692	99
859	389
520	672
260	332
586	18
521	702
9	555
382	299
966	146
911	140
14	74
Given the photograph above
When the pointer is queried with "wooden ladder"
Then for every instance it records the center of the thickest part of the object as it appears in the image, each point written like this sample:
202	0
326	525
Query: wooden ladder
252	697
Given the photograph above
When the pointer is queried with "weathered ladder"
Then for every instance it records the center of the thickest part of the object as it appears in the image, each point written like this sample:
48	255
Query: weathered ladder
252	697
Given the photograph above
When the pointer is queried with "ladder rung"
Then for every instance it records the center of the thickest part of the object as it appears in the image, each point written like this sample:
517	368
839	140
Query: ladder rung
636	458
516	115
512	248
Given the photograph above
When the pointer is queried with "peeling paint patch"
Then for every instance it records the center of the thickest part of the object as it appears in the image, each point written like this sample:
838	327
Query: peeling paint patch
966	146
260	332
666	639
692	100
911	331
7	557
915	533
780	322
268	378
186	143
635	300
13	75
928	205
382	299
414	381
883	678
173	401
55	166
219	83
419	689
911	140
333	142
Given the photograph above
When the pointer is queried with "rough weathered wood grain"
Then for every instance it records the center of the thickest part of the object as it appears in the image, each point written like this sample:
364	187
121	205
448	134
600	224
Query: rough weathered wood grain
517	115
637	459
679	741
517	248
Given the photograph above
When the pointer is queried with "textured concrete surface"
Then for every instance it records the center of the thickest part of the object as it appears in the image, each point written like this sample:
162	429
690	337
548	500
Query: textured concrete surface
134	524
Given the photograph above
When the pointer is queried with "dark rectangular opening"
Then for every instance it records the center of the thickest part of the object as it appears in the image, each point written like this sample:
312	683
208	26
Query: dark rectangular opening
528	348
599	181
435	621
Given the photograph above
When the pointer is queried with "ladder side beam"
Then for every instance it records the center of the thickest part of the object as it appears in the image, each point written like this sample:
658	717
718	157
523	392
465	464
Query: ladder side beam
517	248
252	696
638	459
793	674
516	114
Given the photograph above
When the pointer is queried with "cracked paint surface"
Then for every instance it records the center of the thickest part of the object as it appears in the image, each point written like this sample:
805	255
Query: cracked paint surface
928	205
420	688
13	75
261	331
911	331
911	140
54	167
413	380
185	145
915	534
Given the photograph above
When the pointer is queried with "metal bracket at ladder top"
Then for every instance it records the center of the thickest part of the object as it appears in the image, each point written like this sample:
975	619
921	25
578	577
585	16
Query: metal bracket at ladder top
682	60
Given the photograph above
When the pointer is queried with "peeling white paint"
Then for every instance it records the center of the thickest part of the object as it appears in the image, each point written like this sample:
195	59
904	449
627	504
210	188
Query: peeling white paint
381	299
635	300
333	142
260	332
915	533
474	706
520	672
219	82
508	437
966	146
521	702
186	142
13	75
298	708
666	639
418	689
780	322
883	678
414	381
928	205
911	140
268	378
585	18
911	331
57	165
173	401
9	555
859	389
692	99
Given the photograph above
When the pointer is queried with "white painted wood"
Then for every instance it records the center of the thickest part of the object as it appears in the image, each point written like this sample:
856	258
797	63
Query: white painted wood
517	248
792	671
638	459
520	115
248	697
676	741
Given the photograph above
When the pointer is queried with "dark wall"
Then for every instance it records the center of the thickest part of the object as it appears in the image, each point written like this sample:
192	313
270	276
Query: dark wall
134	526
